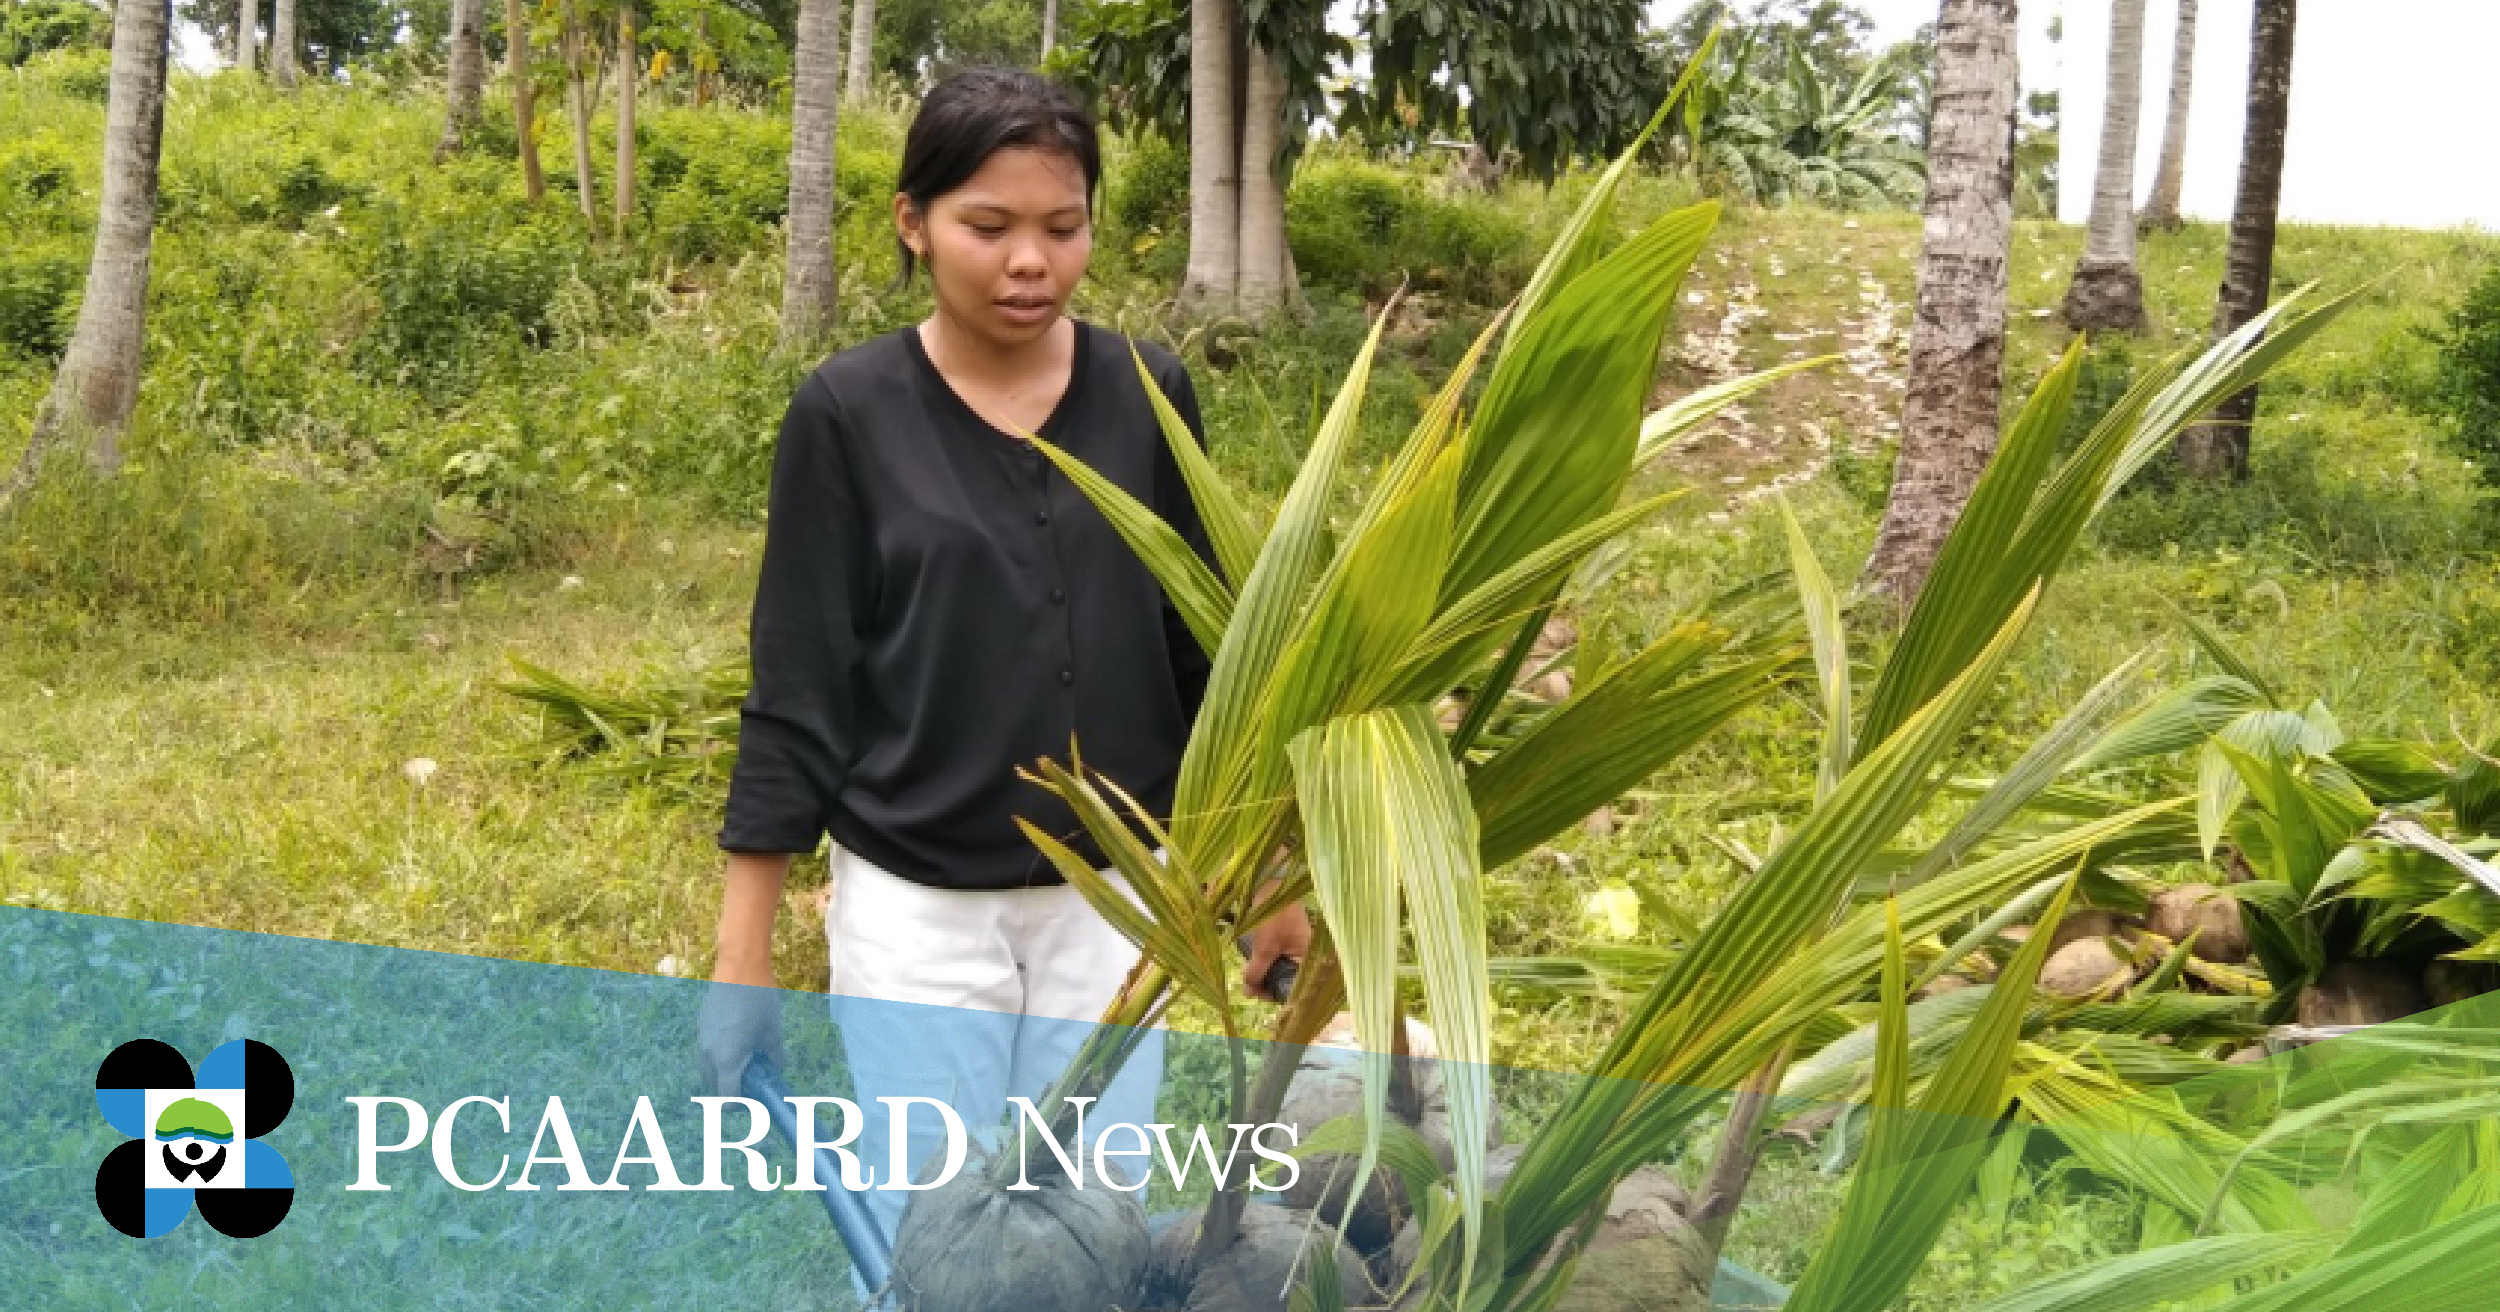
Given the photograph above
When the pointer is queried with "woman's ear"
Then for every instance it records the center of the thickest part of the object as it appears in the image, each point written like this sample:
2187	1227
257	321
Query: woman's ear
910	226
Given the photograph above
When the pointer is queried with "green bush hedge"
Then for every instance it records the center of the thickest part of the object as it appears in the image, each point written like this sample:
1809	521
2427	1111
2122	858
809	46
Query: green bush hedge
2467	390
1362	226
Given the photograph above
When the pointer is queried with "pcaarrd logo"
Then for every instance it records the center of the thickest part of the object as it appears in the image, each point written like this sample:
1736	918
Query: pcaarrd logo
194	1139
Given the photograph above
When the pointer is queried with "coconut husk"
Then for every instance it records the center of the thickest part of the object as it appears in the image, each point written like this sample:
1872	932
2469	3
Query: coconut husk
973	1246
2207	912
1644	1236
2086	968
2362	993
1328	1085
2080	925
1943	984
2448	983
1390	1265
1268	1259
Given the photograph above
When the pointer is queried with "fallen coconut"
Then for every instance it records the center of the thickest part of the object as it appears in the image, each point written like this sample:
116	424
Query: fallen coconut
2207	912
2362	993
1644	1257
2080	925
1390	1265
2086	968
1329	1085
971	1245
1269	1258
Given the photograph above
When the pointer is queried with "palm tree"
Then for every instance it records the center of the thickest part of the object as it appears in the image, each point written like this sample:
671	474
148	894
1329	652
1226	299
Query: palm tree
465	78
282	44
516	45
247	36
97	386
856	82
807	280
2107	293
577	110
1957	347
1050	26
1214	274
2162	209
2218	448
1263	283
628	89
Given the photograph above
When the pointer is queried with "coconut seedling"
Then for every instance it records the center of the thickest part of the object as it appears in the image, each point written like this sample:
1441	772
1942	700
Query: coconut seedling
1318	768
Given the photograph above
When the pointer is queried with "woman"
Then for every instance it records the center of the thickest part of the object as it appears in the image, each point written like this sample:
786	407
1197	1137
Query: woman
937	607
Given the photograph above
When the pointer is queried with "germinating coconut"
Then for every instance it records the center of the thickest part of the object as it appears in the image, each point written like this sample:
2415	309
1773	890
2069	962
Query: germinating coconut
1268	1259
1329	1084
974	1246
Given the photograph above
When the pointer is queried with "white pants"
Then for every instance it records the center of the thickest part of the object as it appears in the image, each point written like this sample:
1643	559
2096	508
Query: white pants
1021	974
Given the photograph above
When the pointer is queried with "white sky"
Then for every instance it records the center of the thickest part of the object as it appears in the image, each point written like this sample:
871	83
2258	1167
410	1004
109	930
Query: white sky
2390	121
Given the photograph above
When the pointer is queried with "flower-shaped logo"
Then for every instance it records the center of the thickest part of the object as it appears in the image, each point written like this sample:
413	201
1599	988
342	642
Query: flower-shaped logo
194	1139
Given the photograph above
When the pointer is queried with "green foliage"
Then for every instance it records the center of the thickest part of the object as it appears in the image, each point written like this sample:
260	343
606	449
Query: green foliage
1364	227
1551	81
38	298
1769	124
2467	391
717	183
29	28
335	32
77	72
457	280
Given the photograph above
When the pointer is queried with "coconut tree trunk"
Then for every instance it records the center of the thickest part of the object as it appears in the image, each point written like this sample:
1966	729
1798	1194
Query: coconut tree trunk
2161	210
628	88
856	82
2107	294
465	79
1262	282
1213	278
577	110
1050	26
516	45
97	386
2218	448
807	280
282	44
247	36
1957	343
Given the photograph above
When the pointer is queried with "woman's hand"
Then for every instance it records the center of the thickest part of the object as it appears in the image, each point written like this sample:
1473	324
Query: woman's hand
1285	934
741	1013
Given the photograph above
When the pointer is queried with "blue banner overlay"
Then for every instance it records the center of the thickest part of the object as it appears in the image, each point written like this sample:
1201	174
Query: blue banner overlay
228	1120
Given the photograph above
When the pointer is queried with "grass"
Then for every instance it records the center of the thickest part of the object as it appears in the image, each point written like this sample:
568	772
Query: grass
217	674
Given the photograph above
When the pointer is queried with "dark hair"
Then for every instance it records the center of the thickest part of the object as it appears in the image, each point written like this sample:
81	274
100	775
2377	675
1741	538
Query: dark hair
973	114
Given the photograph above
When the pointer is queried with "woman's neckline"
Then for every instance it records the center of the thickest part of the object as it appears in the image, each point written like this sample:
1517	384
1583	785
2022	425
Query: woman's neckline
1078	352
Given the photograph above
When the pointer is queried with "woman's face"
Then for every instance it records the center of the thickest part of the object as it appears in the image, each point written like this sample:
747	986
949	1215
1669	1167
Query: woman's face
1006	249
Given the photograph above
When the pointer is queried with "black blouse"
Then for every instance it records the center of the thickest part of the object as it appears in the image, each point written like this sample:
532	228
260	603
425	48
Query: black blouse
938	606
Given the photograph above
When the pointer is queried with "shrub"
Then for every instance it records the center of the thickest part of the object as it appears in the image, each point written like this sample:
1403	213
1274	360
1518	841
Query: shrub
1361	226
1146	198
715	183
458	280
80	73
2467	390
38	295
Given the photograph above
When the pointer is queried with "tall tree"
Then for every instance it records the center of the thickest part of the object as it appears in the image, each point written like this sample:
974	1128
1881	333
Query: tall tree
1544	81
2107	293
282	44
1050	26
247	37
628	90
97	386
465	78
1213	277
807	279
858	81
2218	448
1957	340
577	109
2161	209
516	59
